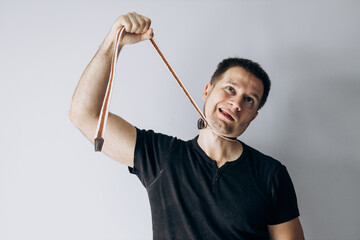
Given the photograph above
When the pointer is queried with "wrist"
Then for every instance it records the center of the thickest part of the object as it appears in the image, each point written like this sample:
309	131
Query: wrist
108	44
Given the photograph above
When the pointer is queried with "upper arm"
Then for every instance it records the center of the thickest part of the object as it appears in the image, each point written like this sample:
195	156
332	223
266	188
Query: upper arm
290	230
119	137
120	140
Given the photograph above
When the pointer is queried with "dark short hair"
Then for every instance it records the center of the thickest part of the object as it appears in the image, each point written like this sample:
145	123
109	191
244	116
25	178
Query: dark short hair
250	66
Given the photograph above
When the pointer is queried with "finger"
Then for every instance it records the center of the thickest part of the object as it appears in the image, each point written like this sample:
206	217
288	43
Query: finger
147	24
142	24
147	35
134	21
126	22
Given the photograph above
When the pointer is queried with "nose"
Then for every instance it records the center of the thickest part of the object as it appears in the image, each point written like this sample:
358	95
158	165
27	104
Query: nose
235	104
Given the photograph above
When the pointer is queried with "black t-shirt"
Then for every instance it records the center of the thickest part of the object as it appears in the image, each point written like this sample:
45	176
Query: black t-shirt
191	198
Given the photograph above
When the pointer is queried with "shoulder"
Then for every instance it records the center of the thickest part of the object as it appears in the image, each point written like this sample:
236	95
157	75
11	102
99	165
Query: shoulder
265	169
151	133
151	154
148	138
260	160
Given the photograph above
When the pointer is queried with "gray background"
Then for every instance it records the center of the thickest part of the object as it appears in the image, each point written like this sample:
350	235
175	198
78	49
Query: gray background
54	186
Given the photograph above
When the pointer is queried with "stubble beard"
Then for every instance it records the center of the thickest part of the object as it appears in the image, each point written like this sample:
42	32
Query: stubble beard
217	124
221	127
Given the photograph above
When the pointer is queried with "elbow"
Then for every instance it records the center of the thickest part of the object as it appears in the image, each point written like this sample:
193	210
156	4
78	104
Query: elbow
81	118
72	117
76	117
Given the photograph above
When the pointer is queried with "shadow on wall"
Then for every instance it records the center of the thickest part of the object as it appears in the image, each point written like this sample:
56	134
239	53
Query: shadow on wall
321	136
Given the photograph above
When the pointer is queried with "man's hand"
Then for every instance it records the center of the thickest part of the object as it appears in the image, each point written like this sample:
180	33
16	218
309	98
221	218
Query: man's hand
137	28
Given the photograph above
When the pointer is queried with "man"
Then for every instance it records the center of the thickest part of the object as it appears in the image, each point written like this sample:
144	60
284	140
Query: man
211	187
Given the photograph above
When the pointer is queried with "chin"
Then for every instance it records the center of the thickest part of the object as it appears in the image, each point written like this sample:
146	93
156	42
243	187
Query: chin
226	130
233	134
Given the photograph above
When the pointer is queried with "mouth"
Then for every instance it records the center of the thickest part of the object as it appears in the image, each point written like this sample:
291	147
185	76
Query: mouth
226	114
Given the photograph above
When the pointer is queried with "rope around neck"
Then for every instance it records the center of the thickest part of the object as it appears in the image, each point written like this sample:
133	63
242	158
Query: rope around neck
100	131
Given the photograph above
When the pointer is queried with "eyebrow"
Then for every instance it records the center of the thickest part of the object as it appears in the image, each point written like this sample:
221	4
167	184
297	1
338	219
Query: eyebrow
251	94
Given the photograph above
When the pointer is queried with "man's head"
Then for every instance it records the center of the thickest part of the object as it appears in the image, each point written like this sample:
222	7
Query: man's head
251	67
237	90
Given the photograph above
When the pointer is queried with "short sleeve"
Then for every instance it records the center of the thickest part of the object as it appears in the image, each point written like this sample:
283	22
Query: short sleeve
150	155
285	207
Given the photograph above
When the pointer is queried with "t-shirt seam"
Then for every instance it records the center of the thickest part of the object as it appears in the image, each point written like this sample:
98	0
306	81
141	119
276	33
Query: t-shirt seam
162	166
272	182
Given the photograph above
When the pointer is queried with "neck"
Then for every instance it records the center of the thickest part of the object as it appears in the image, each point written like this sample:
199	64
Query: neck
219	149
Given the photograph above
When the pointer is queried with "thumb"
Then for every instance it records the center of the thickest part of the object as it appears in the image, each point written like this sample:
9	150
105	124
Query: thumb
147	35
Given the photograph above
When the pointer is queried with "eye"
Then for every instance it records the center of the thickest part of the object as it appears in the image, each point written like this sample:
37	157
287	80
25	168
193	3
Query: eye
249	100
230	89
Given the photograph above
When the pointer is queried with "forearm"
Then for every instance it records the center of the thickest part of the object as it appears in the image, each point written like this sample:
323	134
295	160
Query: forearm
89	93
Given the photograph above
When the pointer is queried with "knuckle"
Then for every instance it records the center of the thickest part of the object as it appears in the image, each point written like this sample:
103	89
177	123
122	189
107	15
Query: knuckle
135	26
142	25
121	19
128	27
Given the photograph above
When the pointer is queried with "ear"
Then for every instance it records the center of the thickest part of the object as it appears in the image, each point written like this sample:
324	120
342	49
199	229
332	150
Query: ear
207	90
255	115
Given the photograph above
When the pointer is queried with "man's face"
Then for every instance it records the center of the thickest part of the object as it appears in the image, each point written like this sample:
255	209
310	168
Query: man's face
232	102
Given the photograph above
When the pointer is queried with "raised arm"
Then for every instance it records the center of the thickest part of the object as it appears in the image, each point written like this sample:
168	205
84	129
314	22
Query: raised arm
89	93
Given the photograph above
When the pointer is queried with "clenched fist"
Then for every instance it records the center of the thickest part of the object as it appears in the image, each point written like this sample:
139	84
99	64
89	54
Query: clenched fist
137	28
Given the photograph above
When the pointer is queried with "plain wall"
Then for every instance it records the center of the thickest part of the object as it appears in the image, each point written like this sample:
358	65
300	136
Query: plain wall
54	186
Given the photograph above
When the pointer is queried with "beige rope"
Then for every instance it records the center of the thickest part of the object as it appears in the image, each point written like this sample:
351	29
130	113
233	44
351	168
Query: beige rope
100	131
